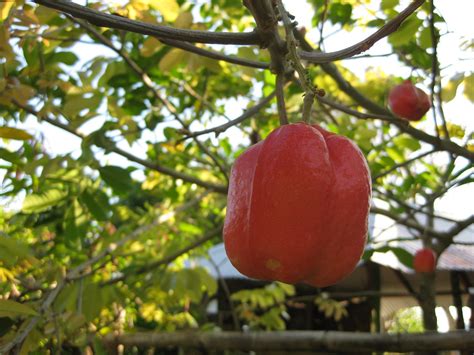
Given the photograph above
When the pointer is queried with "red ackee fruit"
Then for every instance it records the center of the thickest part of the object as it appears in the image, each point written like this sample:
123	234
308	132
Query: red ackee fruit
408	102
298	207
424	260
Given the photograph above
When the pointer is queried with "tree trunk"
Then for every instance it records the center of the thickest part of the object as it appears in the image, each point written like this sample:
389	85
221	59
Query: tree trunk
428	305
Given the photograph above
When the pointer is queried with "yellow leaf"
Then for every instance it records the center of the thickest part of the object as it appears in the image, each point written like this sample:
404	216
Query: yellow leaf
449	91
184	20
21	93
5	10
469	87
173	58
168	8
14	133
150	46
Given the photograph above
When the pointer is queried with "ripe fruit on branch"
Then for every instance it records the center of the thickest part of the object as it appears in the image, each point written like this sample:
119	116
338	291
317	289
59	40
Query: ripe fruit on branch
425	260
408	102
298	206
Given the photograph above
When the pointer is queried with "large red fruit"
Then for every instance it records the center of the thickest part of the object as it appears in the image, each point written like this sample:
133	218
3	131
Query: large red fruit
425	260
298	207
409	102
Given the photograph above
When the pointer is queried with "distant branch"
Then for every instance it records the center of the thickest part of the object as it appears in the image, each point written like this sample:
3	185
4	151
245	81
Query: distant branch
403	164
169	258
246	115
390	27
112	148
163	32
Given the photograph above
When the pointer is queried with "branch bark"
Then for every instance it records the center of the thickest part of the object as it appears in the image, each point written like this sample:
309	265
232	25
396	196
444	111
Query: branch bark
162	32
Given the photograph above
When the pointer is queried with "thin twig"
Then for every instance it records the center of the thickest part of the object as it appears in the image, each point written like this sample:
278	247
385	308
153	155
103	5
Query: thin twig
246	115
406	162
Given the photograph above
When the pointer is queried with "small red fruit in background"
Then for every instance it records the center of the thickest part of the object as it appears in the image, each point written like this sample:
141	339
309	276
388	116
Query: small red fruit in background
298	206
408	102
425	260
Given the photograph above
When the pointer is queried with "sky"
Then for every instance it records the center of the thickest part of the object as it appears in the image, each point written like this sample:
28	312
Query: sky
459	24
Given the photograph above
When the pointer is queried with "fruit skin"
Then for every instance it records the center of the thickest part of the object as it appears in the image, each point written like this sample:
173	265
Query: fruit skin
424	260
297	208
408	102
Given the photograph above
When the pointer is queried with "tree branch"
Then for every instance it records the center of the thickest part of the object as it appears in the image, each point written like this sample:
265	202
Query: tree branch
390	27
246	115
162	32
153	166
384	114
168	259
215	55
299	340
405	163
140	72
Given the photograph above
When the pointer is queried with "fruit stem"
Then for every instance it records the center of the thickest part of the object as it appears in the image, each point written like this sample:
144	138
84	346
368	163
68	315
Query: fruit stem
295	61
280	94
307	105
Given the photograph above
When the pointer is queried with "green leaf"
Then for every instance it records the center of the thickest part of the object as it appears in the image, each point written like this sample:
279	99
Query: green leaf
406	32
67	58
117	178
97	204
407	142
12	249
189	228
403	256
13	309
425	38
208	283
43	201
91	310
340	13
76	103
389	4
9	156
14	133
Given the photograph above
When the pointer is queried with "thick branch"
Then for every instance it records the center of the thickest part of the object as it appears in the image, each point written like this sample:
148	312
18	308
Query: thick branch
390	27
299	340
215	55
163	32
